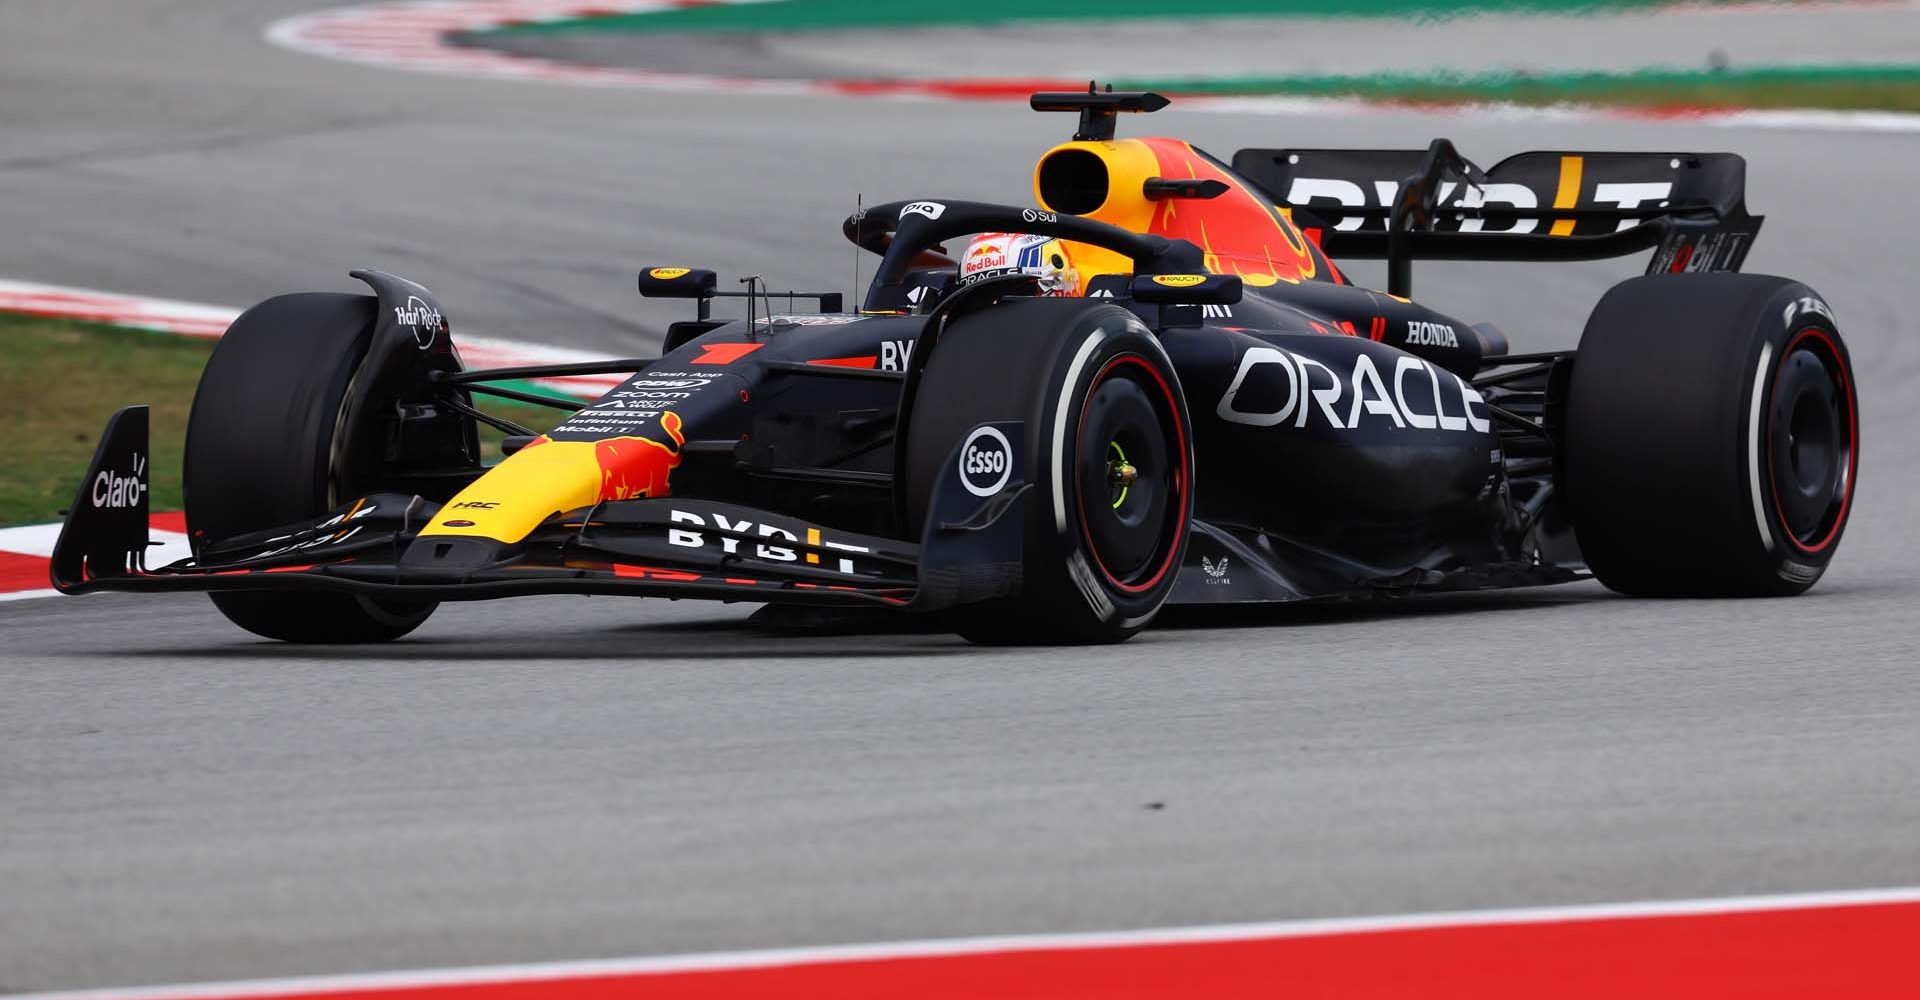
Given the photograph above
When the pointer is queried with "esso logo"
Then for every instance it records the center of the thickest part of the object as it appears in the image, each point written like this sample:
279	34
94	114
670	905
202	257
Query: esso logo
986	462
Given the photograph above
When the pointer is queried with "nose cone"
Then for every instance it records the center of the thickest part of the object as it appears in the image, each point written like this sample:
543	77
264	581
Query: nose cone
548	477
640	466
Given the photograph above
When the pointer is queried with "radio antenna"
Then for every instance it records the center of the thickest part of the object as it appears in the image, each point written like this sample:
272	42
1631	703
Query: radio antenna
859	220
752	281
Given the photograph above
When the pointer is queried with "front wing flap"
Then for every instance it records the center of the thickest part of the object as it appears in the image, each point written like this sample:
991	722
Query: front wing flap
667	547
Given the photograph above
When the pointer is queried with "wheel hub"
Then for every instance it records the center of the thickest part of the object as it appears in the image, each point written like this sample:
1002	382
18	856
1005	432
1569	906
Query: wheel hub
1121	474
1810	443
1126	459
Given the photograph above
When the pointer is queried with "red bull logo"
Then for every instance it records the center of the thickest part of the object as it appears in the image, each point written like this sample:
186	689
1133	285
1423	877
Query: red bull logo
985	255
640	467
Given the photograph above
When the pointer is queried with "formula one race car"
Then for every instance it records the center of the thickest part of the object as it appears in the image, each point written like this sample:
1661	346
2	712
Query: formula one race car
1156	386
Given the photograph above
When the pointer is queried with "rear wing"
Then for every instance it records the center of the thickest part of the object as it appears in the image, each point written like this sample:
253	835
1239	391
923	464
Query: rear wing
1431	204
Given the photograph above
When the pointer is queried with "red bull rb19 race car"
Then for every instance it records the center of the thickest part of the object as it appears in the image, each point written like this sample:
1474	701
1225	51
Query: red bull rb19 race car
1153	386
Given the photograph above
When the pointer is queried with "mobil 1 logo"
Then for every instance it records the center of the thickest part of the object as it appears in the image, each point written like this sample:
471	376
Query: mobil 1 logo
986	461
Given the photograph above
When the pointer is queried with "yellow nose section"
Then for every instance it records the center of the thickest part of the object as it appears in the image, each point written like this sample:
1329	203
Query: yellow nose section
533	484
549	477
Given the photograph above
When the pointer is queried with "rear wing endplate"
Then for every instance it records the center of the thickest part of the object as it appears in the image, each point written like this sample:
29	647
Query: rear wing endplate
1432	204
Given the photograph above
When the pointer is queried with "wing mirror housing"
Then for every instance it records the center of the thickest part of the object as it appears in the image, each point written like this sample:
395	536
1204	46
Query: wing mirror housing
1187	289
677	283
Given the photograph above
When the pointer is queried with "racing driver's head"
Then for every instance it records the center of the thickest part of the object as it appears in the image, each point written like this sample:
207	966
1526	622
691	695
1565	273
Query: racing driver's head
993	254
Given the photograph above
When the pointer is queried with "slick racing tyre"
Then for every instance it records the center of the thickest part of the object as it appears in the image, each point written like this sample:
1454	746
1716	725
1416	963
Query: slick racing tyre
263	443
1712	437
1109	451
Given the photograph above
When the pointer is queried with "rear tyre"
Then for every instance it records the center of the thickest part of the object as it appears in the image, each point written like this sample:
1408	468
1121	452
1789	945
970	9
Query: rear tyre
263	443
1109	451
1712	437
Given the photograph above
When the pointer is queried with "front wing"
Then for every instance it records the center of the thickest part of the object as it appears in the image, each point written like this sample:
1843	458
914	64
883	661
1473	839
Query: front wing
668	547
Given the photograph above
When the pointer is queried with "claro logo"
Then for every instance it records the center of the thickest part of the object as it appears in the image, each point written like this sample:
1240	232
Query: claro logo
115	491
1344	402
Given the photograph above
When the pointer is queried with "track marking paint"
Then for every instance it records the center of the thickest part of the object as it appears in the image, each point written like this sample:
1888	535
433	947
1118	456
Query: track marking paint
1852	944
412	35
199	319
36	540
25	552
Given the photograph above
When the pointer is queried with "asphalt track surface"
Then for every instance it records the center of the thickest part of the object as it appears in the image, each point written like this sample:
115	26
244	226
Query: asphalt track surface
555	779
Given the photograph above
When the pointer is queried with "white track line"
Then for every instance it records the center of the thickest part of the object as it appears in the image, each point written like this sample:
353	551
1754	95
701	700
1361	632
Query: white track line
412	35
38	539
199	319
167	315
770	958
30	539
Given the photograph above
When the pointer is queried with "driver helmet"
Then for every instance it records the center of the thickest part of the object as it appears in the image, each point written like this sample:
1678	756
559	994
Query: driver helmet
991	254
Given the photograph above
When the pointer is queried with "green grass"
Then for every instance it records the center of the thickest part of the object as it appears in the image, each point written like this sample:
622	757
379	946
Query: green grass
827	15
60	383
62	379
1883	87
538	419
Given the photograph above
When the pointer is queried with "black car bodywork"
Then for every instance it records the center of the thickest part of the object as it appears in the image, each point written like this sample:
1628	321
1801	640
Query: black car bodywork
1346	441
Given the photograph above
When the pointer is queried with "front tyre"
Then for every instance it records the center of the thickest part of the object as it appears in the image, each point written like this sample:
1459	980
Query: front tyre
264	447
1109	452
1713	437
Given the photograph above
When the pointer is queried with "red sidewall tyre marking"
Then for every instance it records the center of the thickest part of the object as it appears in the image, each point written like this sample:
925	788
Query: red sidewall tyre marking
1853	440
1180	474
